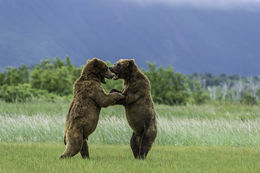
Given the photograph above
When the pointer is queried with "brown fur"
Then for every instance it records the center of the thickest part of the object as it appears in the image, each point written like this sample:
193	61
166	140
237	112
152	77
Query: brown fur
139	106
83	114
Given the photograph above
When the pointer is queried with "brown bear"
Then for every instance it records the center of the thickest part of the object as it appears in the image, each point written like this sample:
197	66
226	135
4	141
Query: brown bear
83	114
138	105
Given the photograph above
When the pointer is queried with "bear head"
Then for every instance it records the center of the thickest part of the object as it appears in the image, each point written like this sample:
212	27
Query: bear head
123	68
98	69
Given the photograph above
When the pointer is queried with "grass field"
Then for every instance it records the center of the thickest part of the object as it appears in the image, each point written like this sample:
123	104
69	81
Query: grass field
204	138
115	130
210	111
205	125
117	158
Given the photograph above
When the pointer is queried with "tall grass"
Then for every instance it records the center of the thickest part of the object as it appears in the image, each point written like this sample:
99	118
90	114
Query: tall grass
115	130
225	125
211	111
35	107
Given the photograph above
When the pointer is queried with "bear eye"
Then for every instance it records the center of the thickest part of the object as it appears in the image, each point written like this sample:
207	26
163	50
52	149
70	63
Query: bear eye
118	65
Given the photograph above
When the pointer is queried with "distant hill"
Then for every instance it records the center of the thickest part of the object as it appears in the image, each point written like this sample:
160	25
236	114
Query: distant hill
189	39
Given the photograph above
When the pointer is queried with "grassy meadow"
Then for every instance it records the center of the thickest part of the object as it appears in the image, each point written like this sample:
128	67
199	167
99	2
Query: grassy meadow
118	158
191	138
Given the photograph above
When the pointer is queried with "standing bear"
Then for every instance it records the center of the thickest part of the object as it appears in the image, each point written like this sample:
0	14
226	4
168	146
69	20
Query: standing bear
83	114
138	105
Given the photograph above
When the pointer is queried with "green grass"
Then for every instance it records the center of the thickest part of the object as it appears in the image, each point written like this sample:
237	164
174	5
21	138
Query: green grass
204	125
210	111
34	108
105	158
115	130
204	138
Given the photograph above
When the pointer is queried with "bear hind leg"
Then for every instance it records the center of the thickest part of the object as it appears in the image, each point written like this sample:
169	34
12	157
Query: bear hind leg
134	143
84	150
148	138
74	143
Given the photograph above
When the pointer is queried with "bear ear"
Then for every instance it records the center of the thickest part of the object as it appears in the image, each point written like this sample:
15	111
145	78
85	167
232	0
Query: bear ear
131	61
95	62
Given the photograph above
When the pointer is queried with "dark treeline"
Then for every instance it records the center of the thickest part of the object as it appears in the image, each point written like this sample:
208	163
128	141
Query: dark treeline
54	78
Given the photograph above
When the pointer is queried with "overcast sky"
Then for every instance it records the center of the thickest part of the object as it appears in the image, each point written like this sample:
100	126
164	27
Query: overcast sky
203	3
